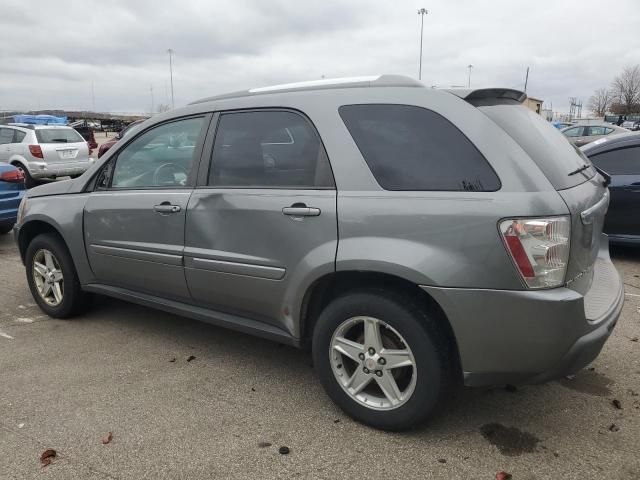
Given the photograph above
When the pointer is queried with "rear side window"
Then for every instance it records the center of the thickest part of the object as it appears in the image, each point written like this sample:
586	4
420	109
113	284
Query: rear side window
412	148
574	132
547	147
624	161
58	135
6	135
268	149
19	136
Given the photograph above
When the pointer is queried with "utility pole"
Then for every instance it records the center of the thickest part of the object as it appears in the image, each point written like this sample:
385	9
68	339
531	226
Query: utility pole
422	12
469	78
93	97
152	105
526	80
170	52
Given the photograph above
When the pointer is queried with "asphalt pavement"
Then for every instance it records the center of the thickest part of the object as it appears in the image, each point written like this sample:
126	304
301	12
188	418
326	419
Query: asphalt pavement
188	400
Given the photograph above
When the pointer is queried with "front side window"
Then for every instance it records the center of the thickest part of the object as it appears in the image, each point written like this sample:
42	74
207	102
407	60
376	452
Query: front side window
6	135
161	157
268	149
412	148
623	161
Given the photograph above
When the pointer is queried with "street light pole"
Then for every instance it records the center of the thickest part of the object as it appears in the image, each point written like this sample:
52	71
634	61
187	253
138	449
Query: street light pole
422	12
469	79
170	52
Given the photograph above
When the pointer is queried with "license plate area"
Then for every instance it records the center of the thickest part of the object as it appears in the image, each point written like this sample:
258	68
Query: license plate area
68	154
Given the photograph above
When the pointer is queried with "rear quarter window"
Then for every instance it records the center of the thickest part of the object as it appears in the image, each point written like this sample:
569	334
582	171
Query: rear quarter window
545	145
412	148
58	135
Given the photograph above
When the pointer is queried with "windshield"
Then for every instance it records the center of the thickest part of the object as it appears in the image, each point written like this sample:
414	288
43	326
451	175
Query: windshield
558	159
58	135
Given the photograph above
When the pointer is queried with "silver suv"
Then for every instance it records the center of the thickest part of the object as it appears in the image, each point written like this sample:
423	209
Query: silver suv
44	151
413	238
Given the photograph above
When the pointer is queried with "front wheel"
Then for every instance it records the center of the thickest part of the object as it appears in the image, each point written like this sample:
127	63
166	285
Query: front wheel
381	358
52	277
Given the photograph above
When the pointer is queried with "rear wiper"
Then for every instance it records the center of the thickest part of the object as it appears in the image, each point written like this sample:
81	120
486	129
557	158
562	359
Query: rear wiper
581	169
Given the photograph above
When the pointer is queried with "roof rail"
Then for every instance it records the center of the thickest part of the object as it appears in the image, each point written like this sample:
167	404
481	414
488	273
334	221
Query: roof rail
324	84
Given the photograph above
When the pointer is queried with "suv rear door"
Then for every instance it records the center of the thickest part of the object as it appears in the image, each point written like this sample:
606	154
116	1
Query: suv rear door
134	219
263	216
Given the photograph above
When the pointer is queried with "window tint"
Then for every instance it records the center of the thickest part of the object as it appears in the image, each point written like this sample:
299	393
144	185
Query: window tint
58	135
597	130
268	149
160	157
412	148
545	145
18	136
624	161
574	132
6	135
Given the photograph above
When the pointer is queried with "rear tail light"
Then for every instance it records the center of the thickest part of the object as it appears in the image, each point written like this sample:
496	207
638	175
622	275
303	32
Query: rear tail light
36	151
539	247
13	176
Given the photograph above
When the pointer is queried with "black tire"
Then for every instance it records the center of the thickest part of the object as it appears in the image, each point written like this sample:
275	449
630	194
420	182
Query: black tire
73	298
29	182
6	228
425	339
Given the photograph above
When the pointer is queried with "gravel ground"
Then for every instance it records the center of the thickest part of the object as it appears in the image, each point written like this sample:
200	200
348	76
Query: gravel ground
124	369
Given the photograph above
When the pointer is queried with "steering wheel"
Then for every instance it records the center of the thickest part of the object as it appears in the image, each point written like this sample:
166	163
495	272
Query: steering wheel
171	169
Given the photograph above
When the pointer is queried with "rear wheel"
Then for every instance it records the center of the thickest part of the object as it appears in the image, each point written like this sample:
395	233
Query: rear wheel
29	182
381	358
52	277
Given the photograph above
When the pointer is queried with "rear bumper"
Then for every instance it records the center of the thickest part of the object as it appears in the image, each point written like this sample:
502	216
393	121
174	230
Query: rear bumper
47	170
519	337
9	207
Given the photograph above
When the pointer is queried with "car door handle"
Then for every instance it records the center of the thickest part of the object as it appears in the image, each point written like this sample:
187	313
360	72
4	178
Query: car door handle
301	211
166	207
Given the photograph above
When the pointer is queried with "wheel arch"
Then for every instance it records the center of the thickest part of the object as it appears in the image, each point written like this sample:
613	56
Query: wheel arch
31	229
332	285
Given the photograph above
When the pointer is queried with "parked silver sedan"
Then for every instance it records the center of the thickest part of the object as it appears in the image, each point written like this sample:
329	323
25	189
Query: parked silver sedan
582	134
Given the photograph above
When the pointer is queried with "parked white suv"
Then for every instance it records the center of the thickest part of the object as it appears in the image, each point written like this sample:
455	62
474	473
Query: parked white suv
44	151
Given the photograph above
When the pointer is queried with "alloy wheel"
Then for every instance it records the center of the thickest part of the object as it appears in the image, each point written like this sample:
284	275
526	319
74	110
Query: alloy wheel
48	277
373	363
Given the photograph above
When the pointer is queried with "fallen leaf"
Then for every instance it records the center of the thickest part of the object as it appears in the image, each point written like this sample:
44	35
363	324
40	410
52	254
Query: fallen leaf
107	438
503	476
173	360
613	427
442	460
591	369
264	444
616	403
556	454
46	457
253	389
337	420
283	450
634	339
190	358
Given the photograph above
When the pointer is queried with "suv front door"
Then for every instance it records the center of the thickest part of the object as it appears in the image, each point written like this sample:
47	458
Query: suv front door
262	221
134	219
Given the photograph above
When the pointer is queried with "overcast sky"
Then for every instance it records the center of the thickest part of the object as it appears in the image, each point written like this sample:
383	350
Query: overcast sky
52	51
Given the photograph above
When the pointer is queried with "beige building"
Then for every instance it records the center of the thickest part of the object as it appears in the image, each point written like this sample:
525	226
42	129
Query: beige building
534	104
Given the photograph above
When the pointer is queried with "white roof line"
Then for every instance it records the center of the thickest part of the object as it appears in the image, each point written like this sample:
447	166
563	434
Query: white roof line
316	83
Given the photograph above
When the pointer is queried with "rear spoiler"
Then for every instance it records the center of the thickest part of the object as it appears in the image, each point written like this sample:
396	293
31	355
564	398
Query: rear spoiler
483	94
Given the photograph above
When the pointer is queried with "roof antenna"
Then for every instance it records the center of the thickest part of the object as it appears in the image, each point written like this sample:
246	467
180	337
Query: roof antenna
526	80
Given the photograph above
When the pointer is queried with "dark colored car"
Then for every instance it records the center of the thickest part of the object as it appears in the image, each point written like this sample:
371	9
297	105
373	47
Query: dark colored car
619	156
12	190
107	145
87	134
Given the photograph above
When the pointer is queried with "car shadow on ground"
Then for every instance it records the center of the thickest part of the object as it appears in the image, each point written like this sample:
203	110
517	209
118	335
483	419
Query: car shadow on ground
496	412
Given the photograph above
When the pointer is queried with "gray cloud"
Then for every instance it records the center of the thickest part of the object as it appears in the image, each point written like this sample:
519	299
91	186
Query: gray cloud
50	59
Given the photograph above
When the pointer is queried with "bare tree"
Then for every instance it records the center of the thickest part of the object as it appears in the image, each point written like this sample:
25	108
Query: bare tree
163	108
600	102
626	89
